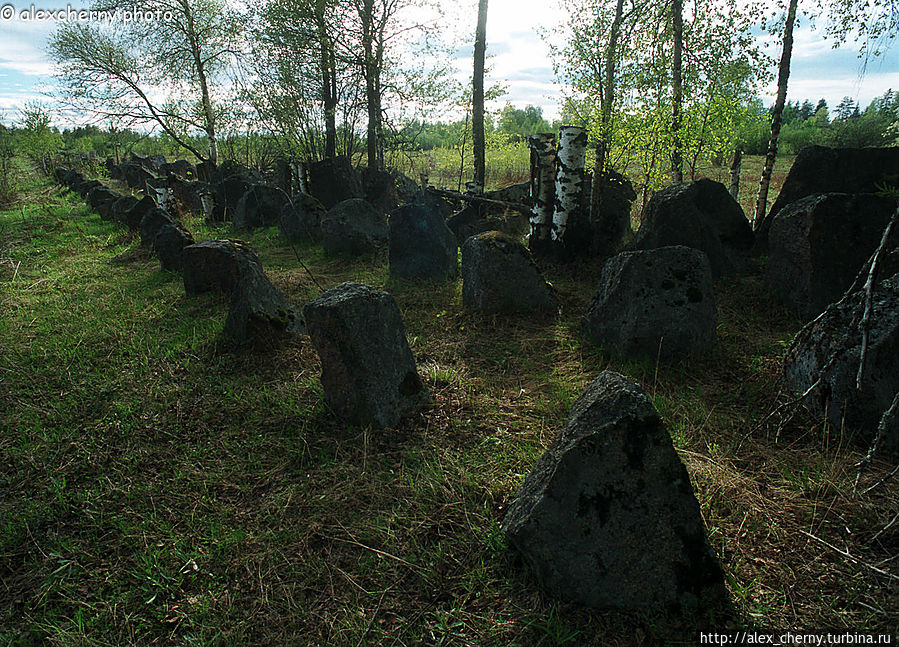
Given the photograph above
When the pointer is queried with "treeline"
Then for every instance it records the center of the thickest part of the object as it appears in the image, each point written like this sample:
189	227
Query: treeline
847	125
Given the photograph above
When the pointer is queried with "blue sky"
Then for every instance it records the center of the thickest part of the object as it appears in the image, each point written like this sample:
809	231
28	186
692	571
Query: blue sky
520	59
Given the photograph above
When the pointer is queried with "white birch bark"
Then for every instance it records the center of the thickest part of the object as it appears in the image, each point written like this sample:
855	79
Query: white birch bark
543	189
569	181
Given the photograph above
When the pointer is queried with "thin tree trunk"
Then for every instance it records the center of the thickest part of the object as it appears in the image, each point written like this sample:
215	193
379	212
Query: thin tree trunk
208	114
462	153
605	118
329	81
477	99
783	76
677	89
543	171
735	167
372	98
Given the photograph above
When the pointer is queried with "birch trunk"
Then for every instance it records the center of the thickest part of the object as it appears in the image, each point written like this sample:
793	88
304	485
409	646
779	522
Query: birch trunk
569	233
677	89
477	99
783	76
543	190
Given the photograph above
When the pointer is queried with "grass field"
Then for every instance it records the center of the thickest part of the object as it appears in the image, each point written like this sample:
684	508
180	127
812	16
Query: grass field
160	487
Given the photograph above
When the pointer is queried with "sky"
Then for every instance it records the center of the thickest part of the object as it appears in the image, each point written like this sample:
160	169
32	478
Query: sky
519	58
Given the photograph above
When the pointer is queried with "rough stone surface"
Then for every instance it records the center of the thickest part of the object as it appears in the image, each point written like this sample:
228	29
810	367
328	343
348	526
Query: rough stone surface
334	180
100	199
406	187
353	227
151	223
301	219
169	245
654	303
470	221
607	517
135	175
260	206
819	243
818	169
72	177
433	202
368	371
122	206
217	265
519	193
613	222
380	190
499	275
133	216
85	186
228	193
829	347
421	245
181	168
701	215
259	312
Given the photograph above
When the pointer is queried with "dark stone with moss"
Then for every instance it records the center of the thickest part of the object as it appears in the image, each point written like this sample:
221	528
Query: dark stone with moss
260	206
829	348
702	215
122	206
227	194
353	227
607	517
379	188
818	244
135	175
100	199
217	265
334	180
499	275
301	218
152	222
133	216
84	186
654	303
169	244
368	371
613	222
470	221
819	169
259	312
421	245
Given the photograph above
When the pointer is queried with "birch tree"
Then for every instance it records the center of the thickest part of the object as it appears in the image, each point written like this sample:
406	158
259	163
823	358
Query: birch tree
677	90
783	76
306	76
619	71
477	99
158	72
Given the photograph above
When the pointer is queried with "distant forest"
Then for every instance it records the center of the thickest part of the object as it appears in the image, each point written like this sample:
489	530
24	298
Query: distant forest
804	123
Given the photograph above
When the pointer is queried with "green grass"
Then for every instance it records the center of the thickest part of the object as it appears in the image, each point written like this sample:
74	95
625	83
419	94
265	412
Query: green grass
161	487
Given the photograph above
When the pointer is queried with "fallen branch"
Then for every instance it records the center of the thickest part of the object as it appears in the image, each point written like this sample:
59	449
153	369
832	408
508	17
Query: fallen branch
850	557
455	195
869	298
883	480
886	527
878	439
